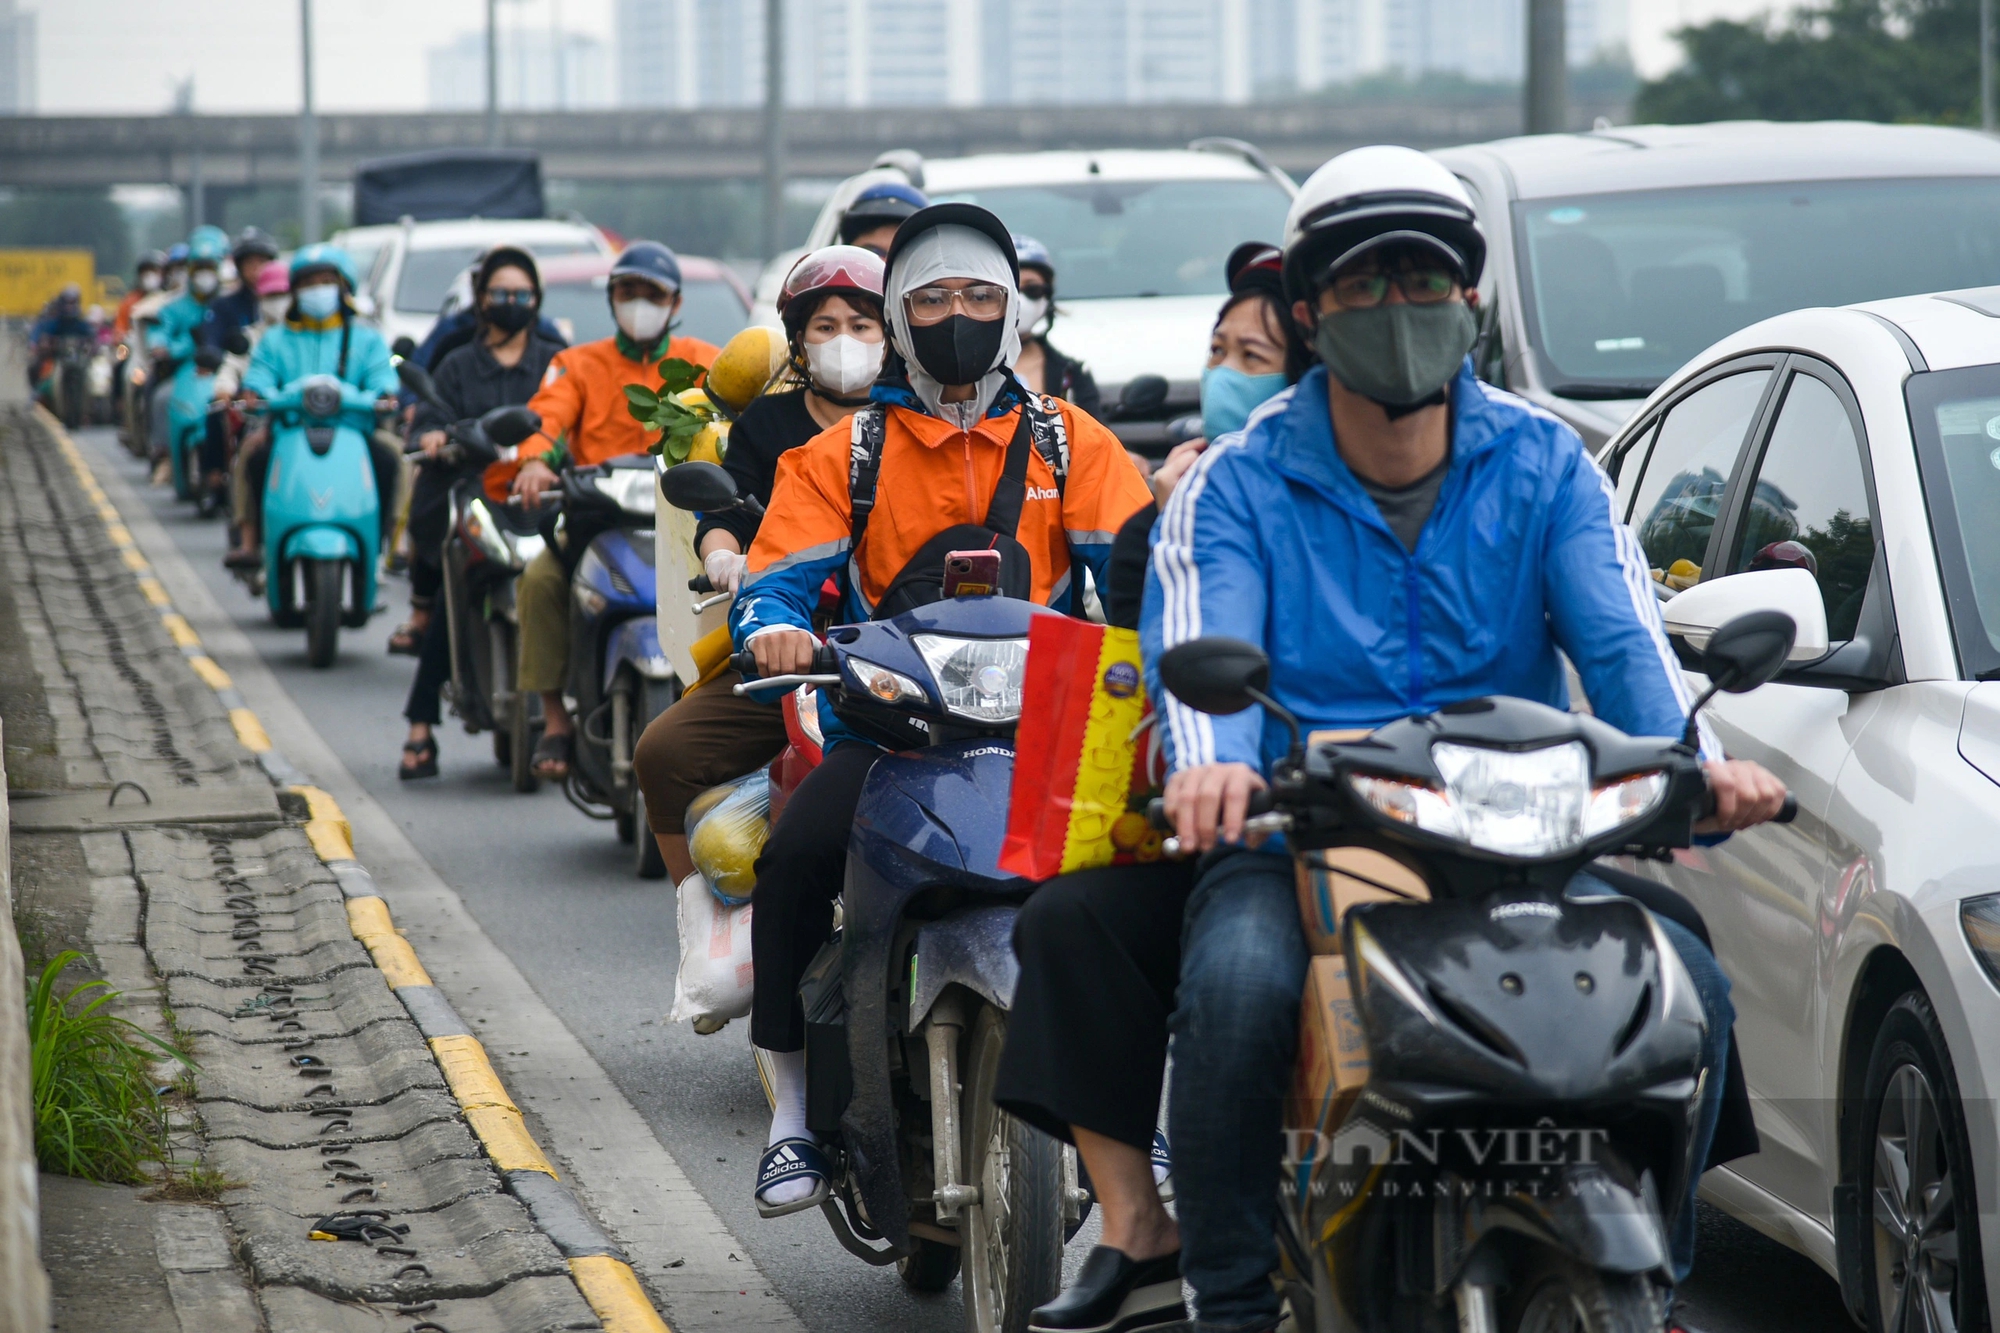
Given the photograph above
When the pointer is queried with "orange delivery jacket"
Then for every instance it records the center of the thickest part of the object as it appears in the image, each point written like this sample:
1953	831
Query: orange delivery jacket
582	397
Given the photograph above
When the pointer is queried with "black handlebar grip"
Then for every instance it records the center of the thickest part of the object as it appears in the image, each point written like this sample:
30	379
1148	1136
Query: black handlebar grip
700	583
1789	810
745	663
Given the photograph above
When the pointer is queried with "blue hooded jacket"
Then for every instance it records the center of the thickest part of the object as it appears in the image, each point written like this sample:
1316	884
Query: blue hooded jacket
1271	539
293	350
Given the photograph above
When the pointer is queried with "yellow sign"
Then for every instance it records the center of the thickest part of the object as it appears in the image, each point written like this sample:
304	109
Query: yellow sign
28	278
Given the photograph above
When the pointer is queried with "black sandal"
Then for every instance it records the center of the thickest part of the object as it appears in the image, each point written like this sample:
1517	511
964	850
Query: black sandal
408	639
552	749
426	766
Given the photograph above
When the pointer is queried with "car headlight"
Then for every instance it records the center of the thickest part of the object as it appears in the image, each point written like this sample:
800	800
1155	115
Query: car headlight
630	488
891	687
979	679
1523	803
1979	918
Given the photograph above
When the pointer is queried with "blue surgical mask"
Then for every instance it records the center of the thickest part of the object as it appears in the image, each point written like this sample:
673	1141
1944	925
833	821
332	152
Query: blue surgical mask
1228	397
319	302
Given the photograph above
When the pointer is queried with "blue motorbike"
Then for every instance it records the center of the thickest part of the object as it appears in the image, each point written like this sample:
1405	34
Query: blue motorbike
906	1007
322	511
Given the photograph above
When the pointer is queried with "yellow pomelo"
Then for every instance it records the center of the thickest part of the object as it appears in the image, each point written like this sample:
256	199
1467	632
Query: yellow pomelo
746	364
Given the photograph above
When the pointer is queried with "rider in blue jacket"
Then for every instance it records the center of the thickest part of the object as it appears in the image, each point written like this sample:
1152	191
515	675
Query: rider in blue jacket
1397	536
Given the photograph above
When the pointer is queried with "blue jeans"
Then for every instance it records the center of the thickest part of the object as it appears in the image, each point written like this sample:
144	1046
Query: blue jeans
1235	1035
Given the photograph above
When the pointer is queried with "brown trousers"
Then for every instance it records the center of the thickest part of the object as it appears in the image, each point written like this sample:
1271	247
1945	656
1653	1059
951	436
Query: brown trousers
707	738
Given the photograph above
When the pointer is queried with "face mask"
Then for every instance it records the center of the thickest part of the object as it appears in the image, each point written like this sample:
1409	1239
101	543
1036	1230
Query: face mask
958	349
149	282
205	281
1031	314
1398	354
642	321
843	365
1228	396
510	318
319	302
274	308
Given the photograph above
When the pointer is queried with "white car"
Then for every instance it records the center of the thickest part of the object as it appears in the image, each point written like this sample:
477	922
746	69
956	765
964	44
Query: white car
1138	237
1861	445
407	268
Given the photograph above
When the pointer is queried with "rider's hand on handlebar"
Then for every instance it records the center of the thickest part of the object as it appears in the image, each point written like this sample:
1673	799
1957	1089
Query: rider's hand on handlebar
1172	468
430	442
725	569
1209	800
534	477
1746	793
783	652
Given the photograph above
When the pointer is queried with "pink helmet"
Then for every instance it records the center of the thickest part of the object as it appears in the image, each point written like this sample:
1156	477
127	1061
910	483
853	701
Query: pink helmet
832	269
275	280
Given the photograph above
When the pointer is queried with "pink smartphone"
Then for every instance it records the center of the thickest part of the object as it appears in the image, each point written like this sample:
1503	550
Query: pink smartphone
971	573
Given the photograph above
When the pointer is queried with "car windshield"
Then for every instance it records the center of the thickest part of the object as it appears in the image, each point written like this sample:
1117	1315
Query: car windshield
1139	238
710	310
1956	418
1621	289
427	274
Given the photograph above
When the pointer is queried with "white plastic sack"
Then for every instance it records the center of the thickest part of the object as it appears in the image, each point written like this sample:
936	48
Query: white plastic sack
715	981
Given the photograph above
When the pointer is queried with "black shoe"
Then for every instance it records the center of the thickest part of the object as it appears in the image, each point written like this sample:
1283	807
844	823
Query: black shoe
1114	1294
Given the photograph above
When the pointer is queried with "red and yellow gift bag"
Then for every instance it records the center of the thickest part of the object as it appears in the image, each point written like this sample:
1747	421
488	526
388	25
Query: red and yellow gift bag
1086	757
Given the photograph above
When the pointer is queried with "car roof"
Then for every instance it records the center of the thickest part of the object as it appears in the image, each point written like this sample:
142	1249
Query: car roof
945	175
492	231
1950	329
583	268
1650	157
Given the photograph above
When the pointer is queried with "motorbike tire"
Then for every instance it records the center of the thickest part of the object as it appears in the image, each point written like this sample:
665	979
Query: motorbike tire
521	743
324	579
72	397
1012	1257
1910	1072
1553	1293
930	1265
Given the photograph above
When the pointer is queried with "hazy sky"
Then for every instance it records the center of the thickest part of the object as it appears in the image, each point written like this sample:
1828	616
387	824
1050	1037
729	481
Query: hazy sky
125	55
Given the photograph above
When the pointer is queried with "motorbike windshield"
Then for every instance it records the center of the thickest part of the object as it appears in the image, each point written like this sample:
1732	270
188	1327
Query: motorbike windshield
1138	238
1621	289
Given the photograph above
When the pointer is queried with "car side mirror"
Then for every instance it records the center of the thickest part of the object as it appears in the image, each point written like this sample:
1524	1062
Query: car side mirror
508	426
1697	615
700	487
1216	674
1142	396
1749	651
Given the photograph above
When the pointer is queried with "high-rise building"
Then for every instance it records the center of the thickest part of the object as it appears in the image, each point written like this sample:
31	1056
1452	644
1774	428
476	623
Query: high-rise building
17	61
539	71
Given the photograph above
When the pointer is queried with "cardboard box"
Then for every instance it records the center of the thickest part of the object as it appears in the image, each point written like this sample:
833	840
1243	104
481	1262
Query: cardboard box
1335	879
1333	1052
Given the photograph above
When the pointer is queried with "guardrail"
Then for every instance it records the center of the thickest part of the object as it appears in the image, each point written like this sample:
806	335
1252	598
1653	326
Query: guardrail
24	1287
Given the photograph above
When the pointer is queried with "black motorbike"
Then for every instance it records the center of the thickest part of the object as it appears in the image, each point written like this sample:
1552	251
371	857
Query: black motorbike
69	378
1514	1159
486	547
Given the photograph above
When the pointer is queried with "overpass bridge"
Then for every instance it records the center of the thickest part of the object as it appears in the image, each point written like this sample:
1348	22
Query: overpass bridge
229	153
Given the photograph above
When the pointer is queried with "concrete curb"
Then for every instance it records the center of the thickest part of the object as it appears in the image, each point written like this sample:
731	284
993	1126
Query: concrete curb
598	1267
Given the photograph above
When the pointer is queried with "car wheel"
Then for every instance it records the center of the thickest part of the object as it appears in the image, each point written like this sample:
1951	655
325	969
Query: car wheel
1923	1254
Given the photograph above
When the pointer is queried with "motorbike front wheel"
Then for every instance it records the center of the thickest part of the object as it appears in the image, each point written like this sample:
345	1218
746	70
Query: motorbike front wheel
324	580
1556	1294
1012	1254
521	741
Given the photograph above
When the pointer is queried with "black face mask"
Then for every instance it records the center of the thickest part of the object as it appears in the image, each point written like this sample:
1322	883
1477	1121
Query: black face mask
957	349
509	317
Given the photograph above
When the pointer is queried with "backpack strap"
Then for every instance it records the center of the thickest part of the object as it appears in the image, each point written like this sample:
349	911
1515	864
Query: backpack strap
864	465
1003	512
1045	422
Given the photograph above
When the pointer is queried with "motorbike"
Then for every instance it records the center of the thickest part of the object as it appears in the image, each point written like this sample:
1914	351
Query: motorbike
69	378
1513	1159
618	676
906	1006
191	391
322	513
486	548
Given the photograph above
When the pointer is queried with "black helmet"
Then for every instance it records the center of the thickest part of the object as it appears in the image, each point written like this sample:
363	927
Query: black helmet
255	243
886	203
954	214
153	259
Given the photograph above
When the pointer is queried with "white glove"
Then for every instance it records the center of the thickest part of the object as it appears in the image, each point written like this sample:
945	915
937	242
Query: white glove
725	569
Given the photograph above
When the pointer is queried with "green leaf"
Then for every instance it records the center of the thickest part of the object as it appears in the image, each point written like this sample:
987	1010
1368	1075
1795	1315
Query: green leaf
678	375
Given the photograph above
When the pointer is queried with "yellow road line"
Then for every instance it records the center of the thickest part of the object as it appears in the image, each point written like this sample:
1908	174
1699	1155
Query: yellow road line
216	678
613	1290
249	731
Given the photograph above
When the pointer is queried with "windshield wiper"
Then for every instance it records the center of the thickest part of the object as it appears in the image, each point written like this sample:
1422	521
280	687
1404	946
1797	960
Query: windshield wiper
1600	390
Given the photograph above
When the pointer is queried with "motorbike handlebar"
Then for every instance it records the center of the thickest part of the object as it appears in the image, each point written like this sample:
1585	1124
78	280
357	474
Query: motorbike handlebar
700	583
1786	812
1156	810
823	663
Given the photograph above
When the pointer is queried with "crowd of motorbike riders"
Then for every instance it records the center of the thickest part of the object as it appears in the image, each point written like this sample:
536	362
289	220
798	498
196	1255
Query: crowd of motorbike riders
1333	513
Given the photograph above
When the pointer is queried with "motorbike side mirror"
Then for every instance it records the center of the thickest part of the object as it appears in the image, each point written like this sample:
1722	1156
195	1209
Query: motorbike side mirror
1217	674
237	344
700	487
508	426
403	348
1142	396
418	381
1749	651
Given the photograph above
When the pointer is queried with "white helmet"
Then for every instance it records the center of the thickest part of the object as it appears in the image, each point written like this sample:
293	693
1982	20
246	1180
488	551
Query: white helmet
1377	196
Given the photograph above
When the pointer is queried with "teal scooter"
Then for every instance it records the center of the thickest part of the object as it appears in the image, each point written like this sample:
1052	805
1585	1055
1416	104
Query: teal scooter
187	419
322	513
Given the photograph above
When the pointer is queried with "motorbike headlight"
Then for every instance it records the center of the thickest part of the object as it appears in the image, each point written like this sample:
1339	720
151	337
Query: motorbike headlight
1409	803
1622	802
1517	802
488	536
630	488
979	679
891	687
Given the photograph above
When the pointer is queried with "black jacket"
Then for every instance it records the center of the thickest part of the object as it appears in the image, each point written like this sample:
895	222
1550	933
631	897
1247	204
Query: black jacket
768	427
472	382
1067	378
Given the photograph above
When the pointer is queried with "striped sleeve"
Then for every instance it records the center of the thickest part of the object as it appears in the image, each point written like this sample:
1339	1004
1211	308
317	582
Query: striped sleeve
1207	576
803	540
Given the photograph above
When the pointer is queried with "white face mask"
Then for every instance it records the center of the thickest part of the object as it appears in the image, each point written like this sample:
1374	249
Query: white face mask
642	321
205	281
844	365
149	282
274	308
1031	314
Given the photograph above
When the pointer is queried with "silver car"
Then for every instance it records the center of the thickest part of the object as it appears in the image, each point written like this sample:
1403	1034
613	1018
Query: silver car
1615	256
1844	465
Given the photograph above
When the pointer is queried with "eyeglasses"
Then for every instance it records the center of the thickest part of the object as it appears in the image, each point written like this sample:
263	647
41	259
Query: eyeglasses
510	296
931	305
1420	286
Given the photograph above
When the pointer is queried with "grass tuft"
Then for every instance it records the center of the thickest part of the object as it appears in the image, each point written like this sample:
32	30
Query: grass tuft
97	1109
197	1184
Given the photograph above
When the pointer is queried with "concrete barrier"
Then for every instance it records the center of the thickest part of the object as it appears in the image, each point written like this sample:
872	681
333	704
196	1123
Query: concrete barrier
24	1287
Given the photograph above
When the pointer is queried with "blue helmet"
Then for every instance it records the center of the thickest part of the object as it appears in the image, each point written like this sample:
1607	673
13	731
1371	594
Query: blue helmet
177	253
883	204
649	260
1034	255
207	245
321	255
